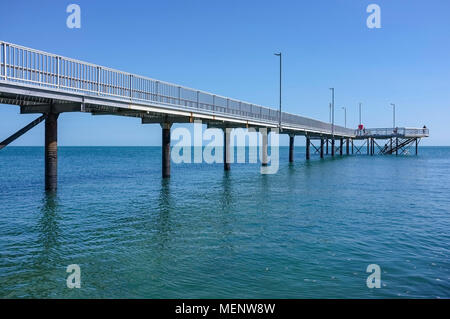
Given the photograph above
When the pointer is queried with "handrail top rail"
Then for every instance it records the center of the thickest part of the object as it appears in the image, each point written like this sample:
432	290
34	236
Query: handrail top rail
393	128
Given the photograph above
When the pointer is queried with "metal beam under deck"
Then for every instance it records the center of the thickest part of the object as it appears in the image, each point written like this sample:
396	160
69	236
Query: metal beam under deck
22	131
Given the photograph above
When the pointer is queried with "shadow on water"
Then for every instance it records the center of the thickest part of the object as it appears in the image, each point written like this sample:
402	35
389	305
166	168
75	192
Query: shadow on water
42	255
163	222
47	257
226	199
48	224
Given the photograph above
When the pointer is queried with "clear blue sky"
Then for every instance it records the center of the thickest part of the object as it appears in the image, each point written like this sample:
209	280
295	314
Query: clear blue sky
227	47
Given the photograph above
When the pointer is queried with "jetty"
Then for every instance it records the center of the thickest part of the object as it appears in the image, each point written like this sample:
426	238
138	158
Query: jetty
49	84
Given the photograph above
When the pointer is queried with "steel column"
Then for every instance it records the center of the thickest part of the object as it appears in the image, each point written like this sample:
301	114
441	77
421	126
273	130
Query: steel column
51	152
332	146
166	149
396	146
342	146
322	142
347	146
264	153
391	145
226	149
308	144
291	148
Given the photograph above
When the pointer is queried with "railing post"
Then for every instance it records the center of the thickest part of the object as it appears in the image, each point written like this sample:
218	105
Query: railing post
98	80
157	89
57	70
198	98
4	62
131	86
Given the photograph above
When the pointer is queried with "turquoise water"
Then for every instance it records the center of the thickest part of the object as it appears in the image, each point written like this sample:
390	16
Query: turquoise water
309	231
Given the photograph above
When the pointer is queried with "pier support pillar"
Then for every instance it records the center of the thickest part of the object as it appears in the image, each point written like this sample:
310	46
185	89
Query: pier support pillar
327	146
353	147
51	152
396	146
322	142
347	146
308	144
264	151
417	146
226	149
373	147
341	141
166	149
291	148
332	147
368	146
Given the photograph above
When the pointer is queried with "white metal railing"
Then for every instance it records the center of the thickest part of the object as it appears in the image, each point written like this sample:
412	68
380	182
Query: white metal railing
398	131
25	65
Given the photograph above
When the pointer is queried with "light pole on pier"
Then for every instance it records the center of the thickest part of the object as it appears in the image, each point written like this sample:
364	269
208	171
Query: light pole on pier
279	54
393	105
360	121
332	111
345	116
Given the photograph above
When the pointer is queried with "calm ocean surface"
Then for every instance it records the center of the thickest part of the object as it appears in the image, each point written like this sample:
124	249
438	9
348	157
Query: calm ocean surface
309	231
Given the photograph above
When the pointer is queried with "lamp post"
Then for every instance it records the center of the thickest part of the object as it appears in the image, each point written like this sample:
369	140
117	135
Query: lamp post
393	105
279	54
332	121
332	111
360	121
345	116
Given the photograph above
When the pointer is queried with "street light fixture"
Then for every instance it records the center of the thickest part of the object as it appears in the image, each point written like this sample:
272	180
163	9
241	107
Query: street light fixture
279	54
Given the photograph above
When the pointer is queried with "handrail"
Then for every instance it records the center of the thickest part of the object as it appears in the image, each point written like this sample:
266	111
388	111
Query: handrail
39	68
397	131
